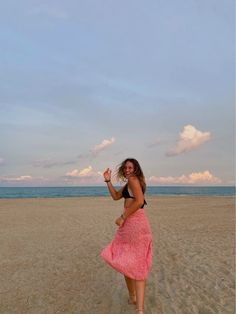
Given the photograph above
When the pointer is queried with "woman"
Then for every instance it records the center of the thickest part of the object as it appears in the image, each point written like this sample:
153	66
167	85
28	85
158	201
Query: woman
130	252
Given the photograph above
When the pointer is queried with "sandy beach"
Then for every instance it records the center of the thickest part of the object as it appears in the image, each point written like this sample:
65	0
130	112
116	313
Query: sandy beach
50	263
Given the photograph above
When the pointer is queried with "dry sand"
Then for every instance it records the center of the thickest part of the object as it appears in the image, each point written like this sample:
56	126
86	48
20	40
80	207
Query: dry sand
50	263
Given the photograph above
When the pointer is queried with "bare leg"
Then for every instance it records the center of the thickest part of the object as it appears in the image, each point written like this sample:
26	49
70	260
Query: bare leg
140	292
131	288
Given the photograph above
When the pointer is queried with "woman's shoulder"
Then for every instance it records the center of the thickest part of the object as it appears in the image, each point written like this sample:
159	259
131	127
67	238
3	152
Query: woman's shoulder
133	179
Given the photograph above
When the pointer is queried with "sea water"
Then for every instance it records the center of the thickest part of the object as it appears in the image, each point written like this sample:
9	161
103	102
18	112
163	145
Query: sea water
80	191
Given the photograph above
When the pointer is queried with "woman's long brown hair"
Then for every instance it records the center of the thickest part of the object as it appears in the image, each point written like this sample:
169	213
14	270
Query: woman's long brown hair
137	172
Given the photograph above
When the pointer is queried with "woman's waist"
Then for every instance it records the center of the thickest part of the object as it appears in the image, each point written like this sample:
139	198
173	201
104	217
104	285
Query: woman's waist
129	202
138	212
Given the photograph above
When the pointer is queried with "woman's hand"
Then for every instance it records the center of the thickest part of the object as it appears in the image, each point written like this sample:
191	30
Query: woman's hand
107	174
119	221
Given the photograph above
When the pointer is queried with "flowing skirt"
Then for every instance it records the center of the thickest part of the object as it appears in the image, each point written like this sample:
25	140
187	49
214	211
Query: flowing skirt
130	252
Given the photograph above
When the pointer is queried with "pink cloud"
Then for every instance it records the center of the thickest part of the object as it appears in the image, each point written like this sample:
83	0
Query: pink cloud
193	178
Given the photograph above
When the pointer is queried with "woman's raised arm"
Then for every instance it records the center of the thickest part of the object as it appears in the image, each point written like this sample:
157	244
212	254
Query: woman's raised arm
116	195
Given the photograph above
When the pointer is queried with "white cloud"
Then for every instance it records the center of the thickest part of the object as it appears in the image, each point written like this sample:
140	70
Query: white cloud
84	176
204	177
190	138
73	173
17	179
23	180
86	172
100	147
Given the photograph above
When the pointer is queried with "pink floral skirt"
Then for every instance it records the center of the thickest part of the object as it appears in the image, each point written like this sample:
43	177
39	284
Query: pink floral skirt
130	252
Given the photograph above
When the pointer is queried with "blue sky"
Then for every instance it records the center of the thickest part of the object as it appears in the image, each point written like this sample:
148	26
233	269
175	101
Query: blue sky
85	84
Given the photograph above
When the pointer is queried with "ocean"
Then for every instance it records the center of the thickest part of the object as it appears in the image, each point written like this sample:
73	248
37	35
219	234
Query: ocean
80	191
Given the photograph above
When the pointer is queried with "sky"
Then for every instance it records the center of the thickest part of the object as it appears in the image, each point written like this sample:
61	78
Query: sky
86	84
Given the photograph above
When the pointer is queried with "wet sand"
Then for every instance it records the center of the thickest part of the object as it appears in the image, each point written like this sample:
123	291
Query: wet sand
50	263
